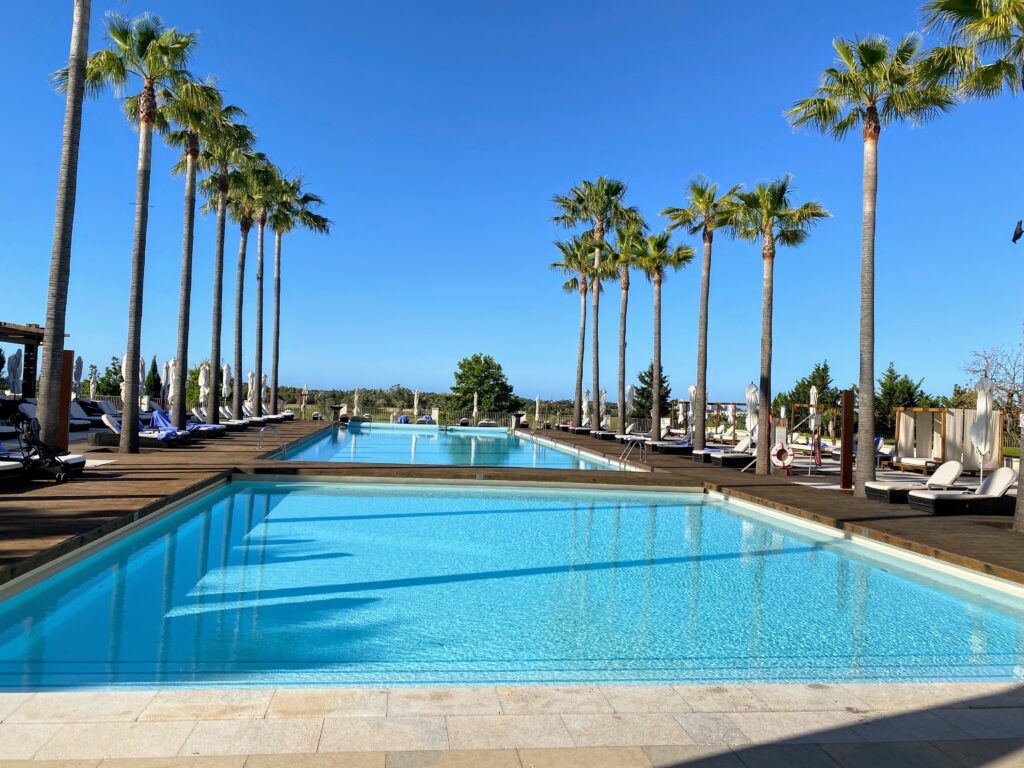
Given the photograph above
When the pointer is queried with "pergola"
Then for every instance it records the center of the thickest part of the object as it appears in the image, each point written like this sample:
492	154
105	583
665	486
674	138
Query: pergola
30	337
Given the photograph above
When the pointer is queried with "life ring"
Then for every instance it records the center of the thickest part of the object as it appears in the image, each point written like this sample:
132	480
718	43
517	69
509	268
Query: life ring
781	456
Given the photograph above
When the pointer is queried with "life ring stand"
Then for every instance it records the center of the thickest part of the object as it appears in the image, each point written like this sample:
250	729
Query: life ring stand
782	457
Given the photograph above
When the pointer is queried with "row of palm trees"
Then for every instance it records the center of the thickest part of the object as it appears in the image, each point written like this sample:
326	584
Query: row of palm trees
241	184
766	214
873	83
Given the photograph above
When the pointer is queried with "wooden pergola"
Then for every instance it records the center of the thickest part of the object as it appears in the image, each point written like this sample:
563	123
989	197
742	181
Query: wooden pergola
31	338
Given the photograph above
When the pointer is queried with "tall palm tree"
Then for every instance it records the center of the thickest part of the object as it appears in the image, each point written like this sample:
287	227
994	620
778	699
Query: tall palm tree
984	56
71	80
629	241
139	48
266	188
766	213
292	207
197	112
656	256
600	205
226	148
705	213
577	265
872	84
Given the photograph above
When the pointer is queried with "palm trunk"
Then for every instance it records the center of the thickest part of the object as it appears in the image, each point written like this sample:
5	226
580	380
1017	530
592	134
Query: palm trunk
180	415
700	407
764	402
623	306
577	406
277	322
236	390
258	367
865	470
63	224
595	299
129	442
213	409
656	378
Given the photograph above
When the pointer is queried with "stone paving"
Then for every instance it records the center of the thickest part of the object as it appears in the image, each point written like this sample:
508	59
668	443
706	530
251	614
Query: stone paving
709	726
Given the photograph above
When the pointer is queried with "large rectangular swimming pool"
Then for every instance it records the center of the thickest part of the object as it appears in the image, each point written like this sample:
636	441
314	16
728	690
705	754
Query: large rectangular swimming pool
419	444
264	583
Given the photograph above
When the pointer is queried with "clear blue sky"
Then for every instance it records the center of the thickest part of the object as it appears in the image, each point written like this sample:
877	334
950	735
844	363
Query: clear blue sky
438	131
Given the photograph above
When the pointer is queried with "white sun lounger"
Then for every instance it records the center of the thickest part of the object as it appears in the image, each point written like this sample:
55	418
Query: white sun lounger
990	497
895	492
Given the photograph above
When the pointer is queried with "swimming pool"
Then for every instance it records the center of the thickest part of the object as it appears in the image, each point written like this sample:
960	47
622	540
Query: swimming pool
421	444
263	583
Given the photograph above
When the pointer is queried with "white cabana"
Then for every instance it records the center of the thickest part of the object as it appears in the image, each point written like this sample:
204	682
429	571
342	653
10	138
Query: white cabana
476	404
982	432
76	379
753	395
94	384
14	363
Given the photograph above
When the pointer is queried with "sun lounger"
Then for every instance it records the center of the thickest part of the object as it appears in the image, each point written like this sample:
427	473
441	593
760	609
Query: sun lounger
739	456
251	414
603	434
162	420
148	438
74	425
895	492
990	498
73	462
673	447
225	412
11	470
232	425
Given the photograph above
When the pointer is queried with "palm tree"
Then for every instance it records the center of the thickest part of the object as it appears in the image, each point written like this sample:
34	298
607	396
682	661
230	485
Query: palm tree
655	256
226	148
576	263
266	188
873	84
70	80
705	213
197	112
629	240
767	214
140	48
984	56
292	208
599	205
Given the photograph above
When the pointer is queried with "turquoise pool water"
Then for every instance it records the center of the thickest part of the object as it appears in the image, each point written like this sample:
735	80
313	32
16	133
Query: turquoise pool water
304	584
417	444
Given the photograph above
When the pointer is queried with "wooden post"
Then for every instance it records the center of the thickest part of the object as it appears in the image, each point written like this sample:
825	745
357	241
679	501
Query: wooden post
29	364
67	365
846	446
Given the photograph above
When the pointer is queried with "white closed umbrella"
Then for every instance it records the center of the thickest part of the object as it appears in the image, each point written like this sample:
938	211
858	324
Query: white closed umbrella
536	411
416	404
692	420
814	420
586	405
476	404
730	416
76	380
982	433
630	394
204	381
94	385
124	380
305	395
263	392
681	412
752	397
142	379
355	402
14	374
225	381
165	381
250	390
602	404
169	385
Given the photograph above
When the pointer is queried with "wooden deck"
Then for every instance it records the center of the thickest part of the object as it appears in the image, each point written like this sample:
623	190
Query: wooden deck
41	520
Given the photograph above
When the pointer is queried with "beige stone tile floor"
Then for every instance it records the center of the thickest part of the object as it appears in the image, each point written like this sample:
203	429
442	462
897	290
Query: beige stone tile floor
644	726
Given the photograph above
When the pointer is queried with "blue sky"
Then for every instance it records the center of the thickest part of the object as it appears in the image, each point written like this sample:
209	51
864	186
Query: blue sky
437	133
